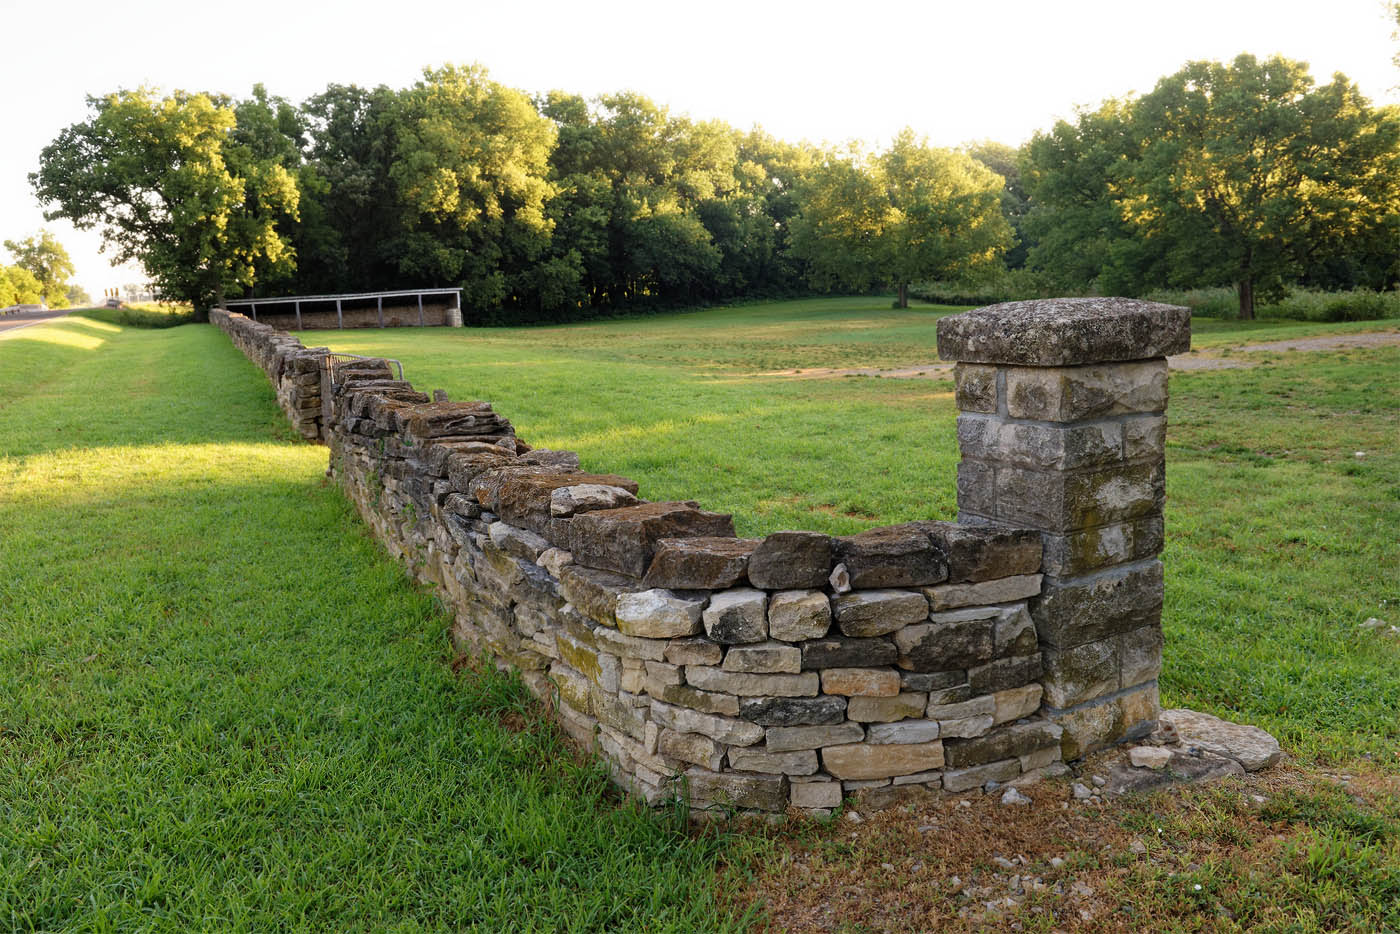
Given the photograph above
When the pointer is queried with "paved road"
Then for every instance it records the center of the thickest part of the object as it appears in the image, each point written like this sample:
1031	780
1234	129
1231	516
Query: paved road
11	323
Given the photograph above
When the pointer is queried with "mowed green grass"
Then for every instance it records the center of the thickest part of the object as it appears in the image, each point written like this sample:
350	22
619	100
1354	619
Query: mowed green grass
1282	539
222	708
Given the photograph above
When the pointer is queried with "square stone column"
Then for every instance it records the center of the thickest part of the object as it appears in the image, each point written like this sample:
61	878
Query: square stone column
1062	428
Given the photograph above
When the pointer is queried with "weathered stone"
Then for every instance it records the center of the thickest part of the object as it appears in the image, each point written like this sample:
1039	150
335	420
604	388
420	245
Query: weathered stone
966	779
632	647
984	706
1140	655
697	651
1059	332
893	556
1149	757
953	643
1081	673
785	738
839	580
975	387
791	560
1015	632
793	711
579	656
966	727
1038	445
1068	394
838	652
861	682
1144	437
566	501
1181	767
723	729
1006	742
624	540
520	543
531	498
705	563
1004	673
695	748
681	695
764	658
983	593
1250	746
737	616
594	593
573	688
555	560
934	682
886	709
796	615
865	761
815	794
1015	703
878	612
904	731
761	759
658	614
1087	550
1079	610
1088	727
752	685
661	675
750	790
983	553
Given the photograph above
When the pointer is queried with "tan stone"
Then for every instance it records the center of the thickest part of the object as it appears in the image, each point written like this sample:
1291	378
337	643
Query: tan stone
798	615
886	709
864	761
752	685
861	682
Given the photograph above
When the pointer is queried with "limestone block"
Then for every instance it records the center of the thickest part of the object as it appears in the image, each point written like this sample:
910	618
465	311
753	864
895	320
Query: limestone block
791	560
555	560
761	759
697	651
966	779
695	748
984	706
966	727
532	498
1066	394
566	501
704	563
984	553
793	711
878	612
949	643
904	731
1058	332
1081	673
521	543
1015	703
1085	609
797	615
983	593
1062	502
737	616
860	682
626	646
894	556
750	790
815	794
1015	632
1040	445
1003	673
806	684
594	593
1140	655
1250	746
866	761
764	658
723	729
786	738
886	709
624	540
683	695
840	652
658	614
1005	742
975	388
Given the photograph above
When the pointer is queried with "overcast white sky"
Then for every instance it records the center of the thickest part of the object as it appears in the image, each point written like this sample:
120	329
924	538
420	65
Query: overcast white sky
956	71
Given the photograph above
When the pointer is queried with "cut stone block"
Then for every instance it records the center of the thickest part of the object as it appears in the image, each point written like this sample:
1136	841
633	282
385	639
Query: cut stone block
624	540
1004	673
1039	445
860	682
1081	673
791	560
886	709
904	731
975	387
682	695
752	685
1068	394
797	615
750	790
737	616
983	593
1015	703
1079	610
764	658
894	556
1003	743
838	652
785	738
815	794
1058	332
594	593
878	612
865	761
1088	550
947	644
566	501
705	563
658	614
793	711
722	729
698	651
760	759
966	779
695	748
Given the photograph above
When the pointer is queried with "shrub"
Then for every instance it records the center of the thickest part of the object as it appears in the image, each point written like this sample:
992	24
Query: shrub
1220	302
1356	305
142	316
1012	285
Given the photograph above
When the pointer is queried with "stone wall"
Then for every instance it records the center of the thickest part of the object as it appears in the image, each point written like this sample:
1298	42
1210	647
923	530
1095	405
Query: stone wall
766	673
435	314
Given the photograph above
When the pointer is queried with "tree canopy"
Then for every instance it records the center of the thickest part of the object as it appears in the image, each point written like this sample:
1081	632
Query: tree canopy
47	261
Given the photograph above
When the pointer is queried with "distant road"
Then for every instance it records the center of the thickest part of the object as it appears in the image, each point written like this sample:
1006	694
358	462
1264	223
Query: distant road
22	319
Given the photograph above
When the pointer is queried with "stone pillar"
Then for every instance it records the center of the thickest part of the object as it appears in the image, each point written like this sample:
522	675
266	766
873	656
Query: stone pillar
1062	429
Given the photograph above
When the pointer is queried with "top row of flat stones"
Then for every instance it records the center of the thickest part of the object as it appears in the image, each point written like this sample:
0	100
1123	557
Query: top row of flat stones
1065	332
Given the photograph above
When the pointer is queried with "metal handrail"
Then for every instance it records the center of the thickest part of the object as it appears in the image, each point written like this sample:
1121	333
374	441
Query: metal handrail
332	357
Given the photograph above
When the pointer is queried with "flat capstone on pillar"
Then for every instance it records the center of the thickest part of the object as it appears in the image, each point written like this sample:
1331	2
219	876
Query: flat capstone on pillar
1062	428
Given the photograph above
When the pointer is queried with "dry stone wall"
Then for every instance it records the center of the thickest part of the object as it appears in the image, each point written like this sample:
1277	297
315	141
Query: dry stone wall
757	674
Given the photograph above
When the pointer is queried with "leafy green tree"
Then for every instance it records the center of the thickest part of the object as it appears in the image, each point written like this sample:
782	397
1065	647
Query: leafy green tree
156	176
48	261
78	296
19	286
1249	173
1006	162
914	212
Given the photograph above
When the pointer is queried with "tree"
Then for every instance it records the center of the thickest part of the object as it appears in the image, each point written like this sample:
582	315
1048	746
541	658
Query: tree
18	286
154	174
1248	173
47	260
1006	162
78	296
913	212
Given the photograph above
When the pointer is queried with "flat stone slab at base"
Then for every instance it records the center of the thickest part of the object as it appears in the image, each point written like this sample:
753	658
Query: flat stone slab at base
1250	746
1181	768
1065	332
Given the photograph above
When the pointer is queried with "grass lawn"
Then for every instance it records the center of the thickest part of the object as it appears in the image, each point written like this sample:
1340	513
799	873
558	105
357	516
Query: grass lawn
225	708
222	707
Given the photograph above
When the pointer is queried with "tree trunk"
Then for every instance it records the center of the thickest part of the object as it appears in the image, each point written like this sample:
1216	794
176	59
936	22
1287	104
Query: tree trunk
903	295
1247	298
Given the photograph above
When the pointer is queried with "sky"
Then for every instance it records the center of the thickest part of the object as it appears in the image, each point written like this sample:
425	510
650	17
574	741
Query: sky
824	71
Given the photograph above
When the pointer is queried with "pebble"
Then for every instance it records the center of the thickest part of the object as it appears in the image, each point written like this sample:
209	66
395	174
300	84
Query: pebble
1013	796
925	828
1081	792
1099	781
1003	862
854	817
1149	757
1138	847
1056	862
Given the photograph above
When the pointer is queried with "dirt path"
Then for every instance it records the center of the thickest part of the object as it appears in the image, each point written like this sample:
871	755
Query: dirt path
1204	360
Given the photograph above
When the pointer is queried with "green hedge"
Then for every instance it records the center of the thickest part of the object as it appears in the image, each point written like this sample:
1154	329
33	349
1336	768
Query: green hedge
141	316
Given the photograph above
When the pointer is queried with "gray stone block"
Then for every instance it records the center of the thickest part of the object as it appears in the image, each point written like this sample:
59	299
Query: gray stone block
1108	603
1067	394
1058	332
791	561
839	652
893	556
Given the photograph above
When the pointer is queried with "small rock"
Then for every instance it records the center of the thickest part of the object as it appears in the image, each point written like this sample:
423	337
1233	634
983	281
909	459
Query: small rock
1149	757
925	828
1080	792
991	786
1014	796
1079	888
1003	862
1138	847
1056	862
888	867
1373	623
1099	781
1250	746
964	803
841	579
854	817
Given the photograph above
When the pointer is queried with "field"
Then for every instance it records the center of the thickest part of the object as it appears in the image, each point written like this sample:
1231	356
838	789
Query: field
227	709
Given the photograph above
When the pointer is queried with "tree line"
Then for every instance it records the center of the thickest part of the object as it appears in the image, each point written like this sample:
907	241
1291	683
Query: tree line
39	274
558	207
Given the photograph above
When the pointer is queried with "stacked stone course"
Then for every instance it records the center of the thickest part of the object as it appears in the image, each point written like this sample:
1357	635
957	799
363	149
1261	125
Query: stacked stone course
763	674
